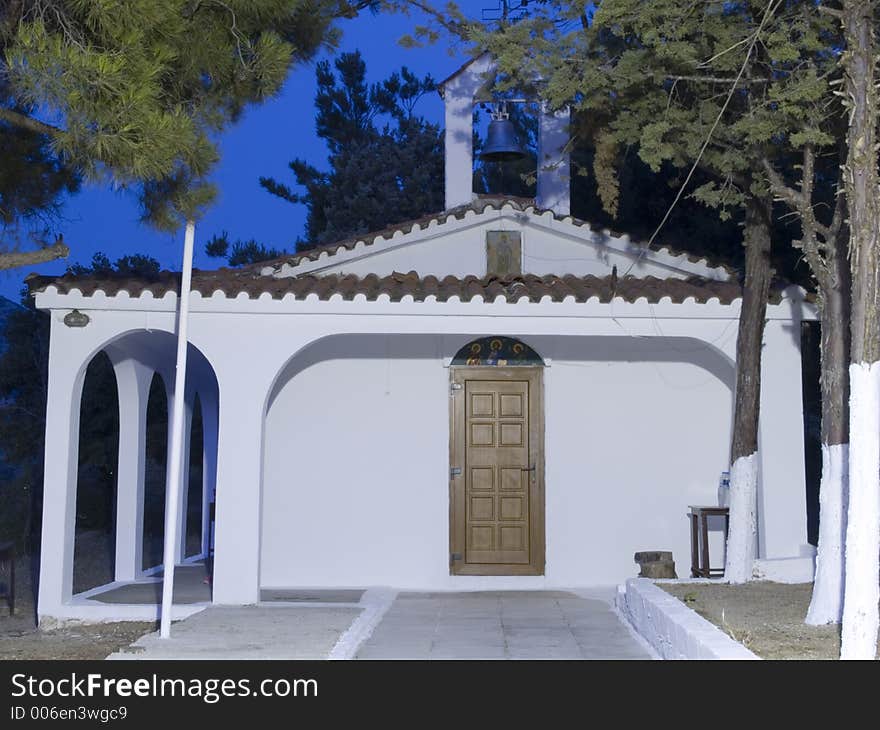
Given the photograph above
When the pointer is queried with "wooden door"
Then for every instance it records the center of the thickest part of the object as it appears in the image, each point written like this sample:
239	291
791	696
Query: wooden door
496	474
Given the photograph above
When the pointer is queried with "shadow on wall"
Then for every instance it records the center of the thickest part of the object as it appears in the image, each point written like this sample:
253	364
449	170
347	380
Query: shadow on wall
360	347
638	350
573	347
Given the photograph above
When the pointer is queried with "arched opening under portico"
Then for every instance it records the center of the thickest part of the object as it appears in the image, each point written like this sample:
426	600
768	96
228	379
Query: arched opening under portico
356	466
124	429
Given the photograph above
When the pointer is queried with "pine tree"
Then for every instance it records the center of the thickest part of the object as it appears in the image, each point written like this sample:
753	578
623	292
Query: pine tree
136	91
386	163
239	253
710	88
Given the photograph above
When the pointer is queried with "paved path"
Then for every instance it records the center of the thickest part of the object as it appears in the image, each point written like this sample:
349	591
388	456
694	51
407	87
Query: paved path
500	625
248	632
386	625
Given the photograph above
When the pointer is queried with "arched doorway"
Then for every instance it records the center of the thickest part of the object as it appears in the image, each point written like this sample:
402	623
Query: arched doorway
195	485
94	536
156	467
496	459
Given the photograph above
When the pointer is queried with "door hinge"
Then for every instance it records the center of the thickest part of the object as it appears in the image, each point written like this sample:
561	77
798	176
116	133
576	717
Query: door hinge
454	556
454	387
454	471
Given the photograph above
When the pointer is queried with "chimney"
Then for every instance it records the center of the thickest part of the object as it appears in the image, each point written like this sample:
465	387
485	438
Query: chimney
459	93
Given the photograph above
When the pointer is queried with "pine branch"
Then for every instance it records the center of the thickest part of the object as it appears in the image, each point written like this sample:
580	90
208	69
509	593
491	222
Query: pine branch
780	188
15	259
23	121
450	26
718	79
801	202
838	217
830	11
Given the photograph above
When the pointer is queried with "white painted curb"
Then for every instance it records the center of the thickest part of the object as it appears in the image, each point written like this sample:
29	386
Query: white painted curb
94	612
376	602
673	629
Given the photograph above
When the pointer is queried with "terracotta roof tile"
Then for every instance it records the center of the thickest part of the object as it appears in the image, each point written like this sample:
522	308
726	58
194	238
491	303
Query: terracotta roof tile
232	282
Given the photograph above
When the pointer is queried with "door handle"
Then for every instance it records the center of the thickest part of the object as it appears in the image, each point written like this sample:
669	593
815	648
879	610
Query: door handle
528	468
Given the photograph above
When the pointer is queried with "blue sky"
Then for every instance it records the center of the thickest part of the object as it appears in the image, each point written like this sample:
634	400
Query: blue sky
261	143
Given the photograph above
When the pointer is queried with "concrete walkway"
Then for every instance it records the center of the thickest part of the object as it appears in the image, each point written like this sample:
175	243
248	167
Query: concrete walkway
380	624
189	587
248	632
501	625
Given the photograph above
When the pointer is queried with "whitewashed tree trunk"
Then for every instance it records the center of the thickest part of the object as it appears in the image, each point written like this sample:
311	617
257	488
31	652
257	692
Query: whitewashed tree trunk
743	519
742	537
826	604
862	564
862	589
824	249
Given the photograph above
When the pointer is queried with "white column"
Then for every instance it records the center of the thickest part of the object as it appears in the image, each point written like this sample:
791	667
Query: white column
782	519
209	465
168	382
168	379
554	175
239	485
133	380
67	364
459	150
459	93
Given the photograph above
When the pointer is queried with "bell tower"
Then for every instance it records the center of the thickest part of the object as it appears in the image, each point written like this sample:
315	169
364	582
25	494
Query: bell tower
460	92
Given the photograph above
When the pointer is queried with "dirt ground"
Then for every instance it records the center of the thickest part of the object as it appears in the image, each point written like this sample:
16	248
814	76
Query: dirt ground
766	617
19	636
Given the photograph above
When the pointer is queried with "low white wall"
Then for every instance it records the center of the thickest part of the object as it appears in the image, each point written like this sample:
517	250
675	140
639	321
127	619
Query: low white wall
785	570
356	462
674	630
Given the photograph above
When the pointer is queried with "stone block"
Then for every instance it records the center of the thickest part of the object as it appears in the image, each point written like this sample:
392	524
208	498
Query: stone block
655	564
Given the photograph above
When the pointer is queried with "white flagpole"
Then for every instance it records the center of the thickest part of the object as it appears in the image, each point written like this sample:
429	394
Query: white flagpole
173	490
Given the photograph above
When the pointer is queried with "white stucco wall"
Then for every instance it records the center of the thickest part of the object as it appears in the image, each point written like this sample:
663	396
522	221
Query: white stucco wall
549	246
624	431
356	467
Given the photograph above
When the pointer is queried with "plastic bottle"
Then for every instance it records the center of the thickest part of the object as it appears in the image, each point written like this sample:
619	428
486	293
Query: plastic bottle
724	489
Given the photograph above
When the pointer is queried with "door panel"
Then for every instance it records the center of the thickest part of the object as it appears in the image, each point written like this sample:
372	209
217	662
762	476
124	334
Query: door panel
497	508
497	422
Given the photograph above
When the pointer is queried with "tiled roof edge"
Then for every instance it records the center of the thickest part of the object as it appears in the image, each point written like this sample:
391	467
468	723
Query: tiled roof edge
234	282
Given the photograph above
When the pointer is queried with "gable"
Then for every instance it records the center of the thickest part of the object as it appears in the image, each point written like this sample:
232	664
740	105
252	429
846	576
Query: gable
463	243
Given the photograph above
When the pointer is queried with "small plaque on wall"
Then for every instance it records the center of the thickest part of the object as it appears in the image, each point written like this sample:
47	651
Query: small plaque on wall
503	253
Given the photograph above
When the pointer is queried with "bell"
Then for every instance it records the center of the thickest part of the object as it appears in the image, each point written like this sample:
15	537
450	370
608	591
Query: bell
501	144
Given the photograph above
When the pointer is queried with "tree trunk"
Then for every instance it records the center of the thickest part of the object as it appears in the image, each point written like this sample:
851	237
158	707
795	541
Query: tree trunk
744	447
826	605
861	590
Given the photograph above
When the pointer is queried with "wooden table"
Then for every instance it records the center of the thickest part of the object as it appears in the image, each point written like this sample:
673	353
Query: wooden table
700	567
7	560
